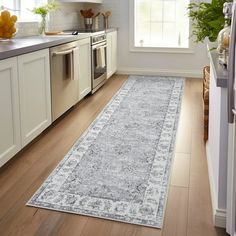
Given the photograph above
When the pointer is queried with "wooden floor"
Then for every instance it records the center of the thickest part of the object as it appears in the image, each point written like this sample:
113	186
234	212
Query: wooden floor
188	211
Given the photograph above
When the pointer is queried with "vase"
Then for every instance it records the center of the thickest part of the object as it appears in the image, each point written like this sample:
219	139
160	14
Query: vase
42	26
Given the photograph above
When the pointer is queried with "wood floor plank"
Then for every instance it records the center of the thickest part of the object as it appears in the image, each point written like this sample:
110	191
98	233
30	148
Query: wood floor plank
200	210
144	231
122	229
176	215
98	227
73	225
197	103
51	224
183	141
181	170
16	213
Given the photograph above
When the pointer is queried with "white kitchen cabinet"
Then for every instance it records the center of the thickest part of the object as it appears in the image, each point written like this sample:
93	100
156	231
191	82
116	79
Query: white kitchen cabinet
217	144
10	142
84	68
34	92
111	53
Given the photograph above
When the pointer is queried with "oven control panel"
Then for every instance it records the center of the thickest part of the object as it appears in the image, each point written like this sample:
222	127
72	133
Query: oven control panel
98	38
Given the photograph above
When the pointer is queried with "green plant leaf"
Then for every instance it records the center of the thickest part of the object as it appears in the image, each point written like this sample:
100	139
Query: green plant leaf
43	10
207	19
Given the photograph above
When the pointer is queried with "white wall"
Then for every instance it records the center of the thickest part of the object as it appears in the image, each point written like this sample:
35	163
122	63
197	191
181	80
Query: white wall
159	63
67	17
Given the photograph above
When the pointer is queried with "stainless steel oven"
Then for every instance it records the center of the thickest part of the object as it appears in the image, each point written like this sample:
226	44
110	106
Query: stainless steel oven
99	60
98	57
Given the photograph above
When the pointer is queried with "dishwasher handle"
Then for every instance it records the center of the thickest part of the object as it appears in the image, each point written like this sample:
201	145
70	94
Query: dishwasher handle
65	52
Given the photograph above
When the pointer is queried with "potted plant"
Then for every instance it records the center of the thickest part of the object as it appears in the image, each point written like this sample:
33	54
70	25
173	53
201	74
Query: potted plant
43	12
208	19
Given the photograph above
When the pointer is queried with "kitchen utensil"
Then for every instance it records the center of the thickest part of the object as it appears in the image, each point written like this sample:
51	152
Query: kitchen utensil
107	13
87	13
97	14
105	19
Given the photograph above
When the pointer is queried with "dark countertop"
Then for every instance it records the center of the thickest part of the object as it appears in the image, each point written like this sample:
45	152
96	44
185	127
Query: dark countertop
220	73
22	45
111	30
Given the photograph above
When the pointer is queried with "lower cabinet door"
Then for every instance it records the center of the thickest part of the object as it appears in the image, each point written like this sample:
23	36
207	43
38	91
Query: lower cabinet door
111	53
84	67
35	98
10	116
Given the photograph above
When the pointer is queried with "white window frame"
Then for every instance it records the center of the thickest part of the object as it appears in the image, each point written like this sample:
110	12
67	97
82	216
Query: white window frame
133	48
17	7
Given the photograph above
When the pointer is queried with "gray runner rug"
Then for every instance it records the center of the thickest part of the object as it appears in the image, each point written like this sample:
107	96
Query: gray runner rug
119	169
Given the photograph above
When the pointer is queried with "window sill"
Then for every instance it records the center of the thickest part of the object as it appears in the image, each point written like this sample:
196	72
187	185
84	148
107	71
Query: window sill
162	50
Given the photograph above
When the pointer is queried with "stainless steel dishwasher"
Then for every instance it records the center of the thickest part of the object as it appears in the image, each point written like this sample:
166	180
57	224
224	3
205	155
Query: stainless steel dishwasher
64	83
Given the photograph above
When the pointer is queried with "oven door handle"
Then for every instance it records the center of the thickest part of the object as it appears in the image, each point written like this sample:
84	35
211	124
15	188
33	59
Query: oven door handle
99	46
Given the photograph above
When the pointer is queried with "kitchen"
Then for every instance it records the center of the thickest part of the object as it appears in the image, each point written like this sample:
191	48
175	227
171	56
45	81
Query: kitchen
74	78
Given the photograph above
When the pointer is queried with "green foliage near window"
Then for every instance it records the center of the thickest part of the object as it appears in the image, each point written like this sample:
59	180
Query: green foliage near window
207	18
45	9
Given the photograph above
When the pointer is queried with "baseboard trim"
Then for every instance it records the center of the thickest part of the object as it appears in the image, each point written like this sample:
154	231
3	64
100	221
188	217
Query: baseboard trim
219	215
161	72
220	218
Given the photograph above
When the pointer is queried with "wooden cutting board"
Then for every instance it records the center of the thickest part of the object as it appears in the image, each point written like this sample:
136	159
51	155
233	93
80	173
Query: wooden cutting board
52	32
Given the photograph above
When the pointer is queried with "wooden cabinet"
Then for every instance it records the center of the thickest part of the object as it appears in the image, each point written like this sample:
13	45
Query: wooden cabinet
25	101
10	116
35	95
84	68
111	53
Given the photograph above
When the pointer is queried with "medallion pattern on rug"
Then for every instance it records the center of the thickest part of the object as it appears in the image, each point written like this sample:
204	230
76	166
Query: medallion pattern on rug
119	168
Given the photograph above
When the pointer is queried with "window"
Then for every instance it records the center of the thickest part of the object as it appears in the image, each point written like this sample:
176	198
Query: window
160	23
22	8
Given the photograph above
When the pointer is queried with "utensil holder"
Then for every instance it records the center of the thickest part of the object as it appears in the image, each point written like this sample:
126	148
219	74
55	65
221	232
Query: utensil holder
88	23
105	22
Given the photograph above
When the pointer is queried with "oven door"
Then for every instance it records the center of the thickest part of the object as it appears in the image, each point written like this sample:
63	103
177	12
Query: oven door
99	65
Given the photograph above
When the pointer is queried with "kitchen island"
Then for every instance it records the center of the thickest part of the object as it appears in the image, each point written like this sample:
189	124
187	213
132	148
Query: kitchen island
217	144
